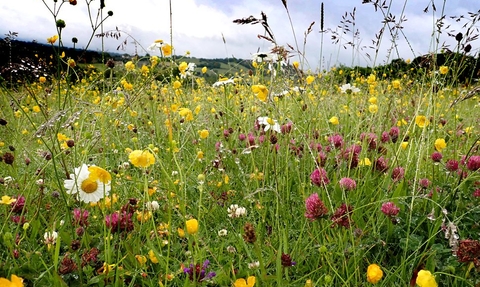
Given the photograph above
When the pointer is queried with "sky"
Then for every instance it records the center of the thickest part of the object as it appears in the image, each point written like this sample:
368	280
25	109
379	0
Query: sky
205	28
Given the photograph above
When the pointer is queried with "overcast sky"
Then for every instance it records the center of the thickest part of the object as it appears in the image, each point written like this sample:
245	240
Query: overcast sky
199	25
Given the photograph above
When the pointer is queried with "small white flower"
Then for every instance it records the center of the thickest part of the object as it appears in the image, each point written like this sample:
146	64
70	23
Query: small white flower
269	123
152	205
223	82
349	89
39	182
264	57
62	222
50	237
222	232
188	71
253	265
7	179
231	249
235	211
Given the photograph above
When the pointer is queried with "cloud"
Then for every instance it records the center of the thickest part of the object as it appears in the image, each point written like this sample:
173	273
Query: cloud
201	26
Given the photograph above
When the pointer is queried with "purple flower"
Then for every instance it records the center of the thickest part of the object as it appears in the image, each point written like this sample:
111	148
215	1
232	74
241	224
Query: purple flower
336	140
242	137
385	137
19	205
119	221
347	183
394	132
315	207
473	162
371	139
390	209
424	183
286	128
319	177
381	164
198	272
342	215
79	217
398	173
436	156
451	165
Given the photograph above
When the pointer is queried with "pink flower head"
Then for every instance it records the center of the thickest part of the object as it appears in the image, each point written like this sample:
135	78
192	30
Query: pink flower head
436	156
347	183
342	215
385	137
390	209
319	177
79	217
473	163
336	140
315	207
424	183
381	164
398	173
371	139
451	165
286	128
19	205
394	132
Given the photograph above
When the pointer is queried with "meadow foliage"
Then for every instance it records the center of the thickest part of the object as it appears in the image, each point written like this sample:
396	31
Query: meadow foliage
276	176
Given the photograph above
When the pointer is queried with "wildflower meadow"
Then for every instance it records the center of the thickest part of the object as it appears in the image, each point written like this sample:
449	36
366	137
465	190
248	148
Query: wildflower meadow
143	173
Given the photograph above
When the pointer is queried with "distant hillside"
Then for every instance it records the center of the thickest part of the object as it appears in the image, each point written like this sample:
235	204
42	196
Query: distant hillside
16	52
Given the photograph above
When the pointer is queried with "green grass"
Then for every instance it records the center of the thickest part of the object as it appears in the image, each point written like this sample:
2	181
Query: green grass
384	140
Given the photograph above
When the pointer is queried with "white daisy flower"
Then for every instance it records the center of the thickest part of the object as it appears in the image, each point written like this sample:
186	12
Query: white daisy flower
89	183
349	89
269	123
223	82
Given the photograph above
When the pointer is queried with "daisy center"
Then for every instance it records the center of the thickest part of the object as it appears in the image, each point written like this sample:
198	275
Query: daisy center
89	185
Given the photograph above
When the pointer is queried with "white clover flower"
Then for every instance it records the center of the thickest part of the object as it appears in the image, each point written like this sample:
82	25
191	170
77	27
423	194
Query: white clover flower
152	205
269	123
254	265
235	211
349	89
222	232
231	249
39	182
7	179
50	237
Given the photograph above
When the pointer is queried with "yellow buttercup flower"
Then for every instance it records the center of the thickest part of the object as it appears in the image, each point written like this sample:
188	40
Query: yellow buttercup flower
167	50
422	121
404	145
129	66
334	120
141	158
440	144
192	226
7	200
373	109
310	79
141	259
14	282
52	39
374	273
152	257
250	282
203	134
426	279
261	91
396	84
295	64
443	70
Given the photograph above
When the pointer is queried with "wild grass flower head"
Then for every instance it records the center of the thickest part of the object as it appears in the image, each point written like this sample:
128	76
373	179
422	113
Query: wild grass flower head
89	183
315	208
